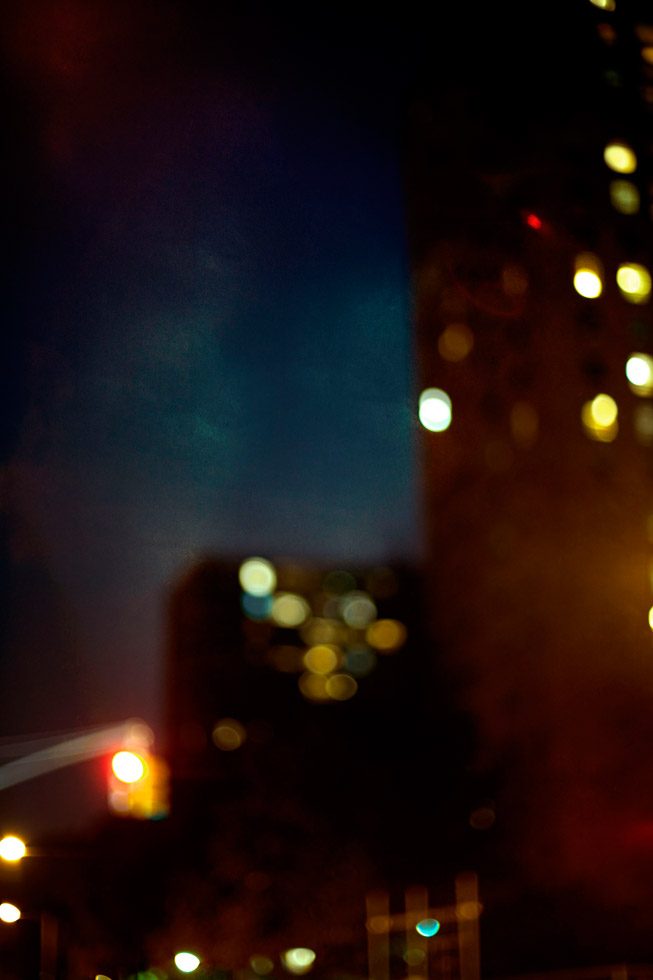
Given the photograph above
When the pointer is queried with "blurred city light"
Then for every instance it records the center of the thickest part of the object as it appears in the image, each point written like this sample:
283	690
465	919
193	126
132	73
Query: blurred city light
428	927
634	281
313	687
360	661
533	221
187	962
257	576
298	960
435	410
455	342
321	659
290	610
650	617
228	734
599	418
604	4
588	277
643	424
12	848
624	196
341	687
620	157
639	372
262	965
9	912
357	610
386	635
128	767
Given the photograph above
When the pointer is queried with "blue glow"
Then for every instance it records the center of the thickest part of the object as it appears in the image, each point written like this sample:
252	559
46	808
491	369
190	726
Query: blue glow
256	606
428	927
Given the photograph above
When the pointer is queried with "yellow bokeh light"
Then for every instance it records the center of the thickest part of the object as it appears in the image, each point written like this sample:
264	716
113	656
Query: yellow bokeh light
588	284
321	659
128	767
639	372
298	960
262	965
634	281
322	630
647	54
650	617
435	410
599	418
257	577
12	848
313	687
624	196
455	342
620	157
604	4
341	687
643	424
386	635
290	610
228	734
9	912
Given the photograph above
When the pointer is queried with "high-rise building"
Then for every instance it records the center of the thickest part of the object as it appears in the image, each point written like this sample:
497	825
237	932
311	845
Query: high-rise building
528	183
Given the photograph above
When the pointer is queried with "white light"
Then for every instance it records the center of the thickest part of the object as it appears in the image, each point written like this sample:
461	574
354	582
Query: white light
187	962
587	283
435	410
128	767
9	912
298	960
639	371
257	576
12	848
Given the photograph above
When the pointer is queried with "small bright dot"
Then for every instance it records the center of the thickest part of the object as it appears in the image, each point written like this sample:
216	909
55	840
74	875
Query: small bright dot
634	281
290	610
428	927
12	848
533	221
435	410
299	960
257	576
624	196
620	158
187	962
228	734
9	912
128	767
639	371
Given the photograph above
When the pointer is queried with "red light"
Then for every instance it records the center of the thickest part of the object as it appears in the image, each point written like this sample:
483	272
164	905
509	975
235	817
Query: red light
533	221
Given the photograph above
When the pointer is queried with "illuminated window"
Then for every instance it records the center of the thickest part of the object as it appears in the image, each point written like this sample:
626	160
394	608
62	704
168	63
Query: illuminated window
624	196
599	418
634	282
435	410
588	276
620	157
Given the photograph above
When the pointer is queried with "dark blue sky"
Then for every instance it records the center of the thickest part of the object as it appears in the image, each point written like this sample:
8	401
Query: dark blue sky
211	316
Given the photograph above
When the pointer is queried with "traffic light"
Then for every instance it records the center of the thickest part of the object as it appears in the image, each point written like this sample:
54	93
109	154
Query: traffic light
138	785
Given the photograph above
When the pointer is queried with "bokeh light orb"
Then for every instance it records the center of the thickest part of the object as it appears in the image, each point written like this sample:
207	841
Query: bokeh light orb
290	610
639	372
587	283
228	735
187	962
298	960
257	576
12	848
357	609
128	767
428	927
341	687
261	965
9	912
620	157
322	658
634	282
455	342
386	635
435	411
624	196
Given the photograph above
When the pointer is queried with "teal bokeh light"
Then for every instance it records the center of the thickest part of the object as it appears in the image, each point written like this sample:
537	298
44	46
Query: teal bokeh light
428	927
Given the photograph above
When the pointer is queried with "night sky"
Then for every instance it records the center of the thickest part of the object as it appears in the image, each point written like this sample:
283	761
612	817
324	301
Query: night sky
209	325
